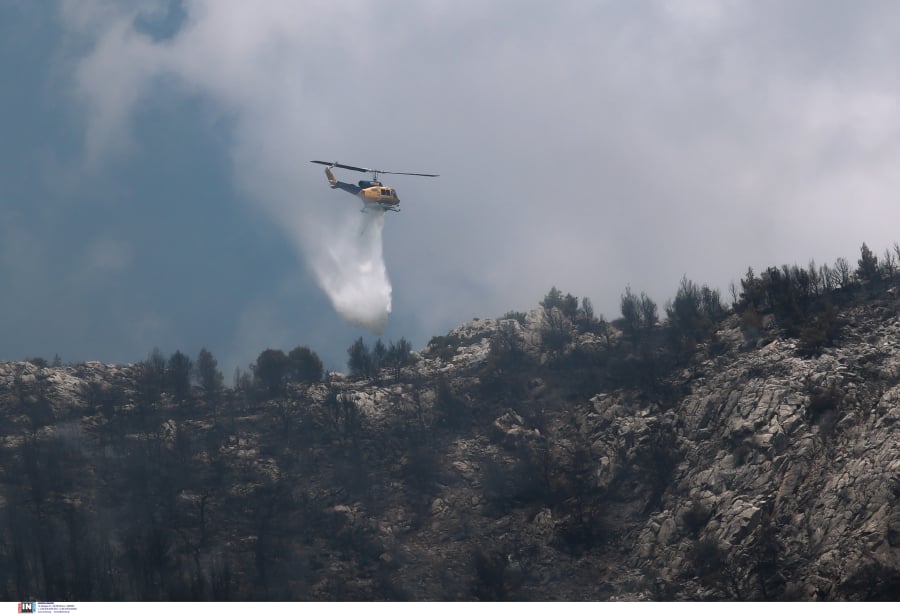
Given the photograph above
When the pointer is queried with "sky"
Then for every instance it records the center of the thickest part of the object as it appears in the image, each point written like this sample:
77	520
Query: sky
155	189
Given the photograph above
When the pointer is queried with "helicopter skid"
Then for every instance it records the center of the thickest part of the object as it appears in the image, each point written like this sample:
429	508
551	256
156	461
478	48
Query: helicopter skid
382	208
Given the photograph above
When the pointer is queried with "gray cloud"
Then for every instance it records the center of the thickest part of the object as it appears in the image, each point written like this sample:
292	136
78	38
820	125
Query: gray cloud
587	145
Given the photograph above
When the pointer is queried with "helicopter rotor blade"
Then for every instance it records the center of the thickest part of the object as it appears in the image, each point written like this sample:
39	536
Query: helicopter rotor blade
369	170
349	168
398	173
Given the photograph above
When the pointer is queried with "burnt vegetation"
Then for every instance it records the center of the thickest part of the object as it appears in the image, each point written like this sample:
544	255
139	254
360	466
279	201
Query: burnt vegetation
166	484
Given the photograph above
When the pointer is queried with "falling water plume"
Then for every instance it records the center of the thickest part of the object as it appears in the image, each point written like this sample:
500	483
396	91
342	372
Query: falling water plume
350	269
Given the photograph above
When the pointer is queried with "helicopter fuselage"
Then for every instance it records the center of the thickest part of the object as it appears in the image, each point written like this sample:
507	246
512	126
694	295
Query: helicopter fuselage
373	193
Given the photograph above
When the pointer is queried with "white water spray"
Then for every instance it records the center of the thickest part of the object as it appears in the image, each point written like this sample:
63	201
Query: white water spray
349	266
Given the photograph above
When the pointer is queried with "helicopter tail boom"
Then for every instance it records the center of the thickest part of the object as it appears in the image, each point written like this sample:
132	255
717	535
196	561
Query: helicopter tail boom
347	187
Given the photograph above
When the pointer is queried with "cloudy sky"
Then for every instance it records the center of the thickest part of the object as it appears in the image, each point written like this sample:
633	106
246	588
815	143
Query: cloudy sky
155	189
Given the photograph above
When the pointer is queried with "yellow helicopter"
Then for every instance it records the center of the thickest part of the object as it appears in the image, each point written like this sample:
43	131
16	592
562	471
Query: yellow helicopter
374	194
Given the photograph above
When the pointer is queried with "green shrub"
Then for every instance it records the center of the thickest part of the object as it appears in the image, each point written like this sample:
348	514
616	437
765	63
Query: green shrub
751	325
359	359
707	557
207	371
270	370
821	332
695	518
304	365
824	409
444	346
518	316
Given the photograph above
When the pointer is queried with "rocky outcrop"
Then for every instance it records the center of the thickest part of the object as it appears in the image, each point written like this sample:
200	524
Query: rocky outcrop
62	389
491	467
786	462
785	468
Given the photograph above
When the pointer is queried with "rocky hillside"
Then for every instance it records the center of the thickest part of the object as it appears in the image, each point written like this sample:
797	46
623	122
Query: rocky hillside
498	465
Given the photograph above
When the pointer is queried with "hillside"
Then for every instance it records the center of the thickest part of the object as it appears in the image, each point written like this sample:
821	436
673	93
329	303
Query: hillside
503	463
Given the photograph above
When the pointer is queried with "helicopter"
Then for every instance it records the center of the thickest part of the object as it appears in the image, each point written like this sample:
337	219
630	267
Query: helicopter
374	194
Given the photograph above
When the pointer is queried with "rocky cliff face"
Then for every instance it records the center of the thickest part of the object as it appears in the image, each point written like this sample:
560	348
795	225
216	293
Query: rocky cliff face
491	468
790	478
